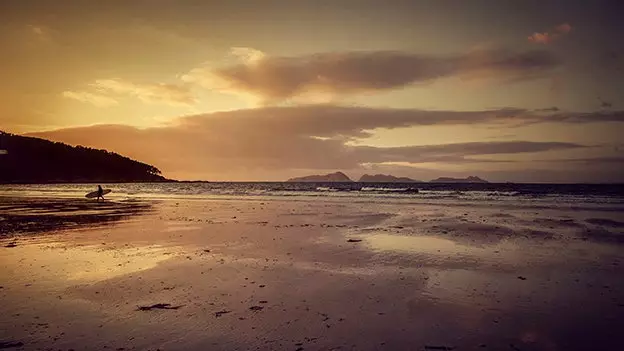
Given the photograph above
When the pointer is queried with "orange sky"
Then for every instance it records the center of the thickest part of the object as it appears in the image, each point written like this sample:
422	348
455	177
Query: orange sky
241	90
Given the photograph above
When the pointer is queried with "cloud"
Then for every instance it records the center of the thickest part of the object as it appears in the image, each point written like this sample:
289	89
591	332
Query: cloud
105	90
275	78
285	140
40	31
248	55
594	160
271	79
605	104
563	28
549	37
548	109
582	117
457	153
171	94
95	99
541	38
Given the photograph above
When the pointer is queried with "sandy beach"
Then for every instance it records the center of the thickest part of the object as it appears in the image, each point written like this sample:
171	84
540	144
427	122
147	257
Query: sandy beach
297	274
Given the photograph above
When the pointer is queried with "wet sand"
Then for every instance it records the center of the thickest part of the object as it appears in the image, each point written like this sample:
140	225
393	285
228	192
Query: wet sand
266	274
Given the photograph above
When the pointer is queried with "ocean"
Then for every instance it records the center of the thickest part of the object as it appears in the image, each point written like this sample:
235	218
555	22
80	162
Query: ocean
601	195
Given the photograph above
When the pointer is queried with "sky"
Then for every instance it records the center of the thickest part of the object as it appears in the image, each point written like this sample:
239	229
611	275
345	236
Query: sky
515	90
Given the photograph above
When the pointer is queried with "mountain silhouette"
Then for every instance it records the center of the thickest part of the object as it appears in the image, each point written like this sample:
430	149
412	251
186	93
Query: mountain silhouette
385	178
33	160
331	177
471	179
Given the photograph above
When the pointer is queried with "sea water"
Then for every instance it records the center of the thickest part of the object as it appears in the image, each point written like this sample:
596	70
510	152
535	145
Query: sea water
602	196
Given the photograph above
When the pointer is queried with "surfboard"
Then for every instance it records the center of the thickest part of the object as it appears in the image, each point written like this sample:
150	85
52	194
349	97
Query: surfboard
93	194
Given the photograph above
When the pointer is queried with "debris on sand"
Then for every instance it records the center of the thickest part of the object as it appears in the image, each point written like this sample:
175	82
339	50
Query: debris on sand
10	344
158	306
220	313
11	244
522	278
443	348
256	308
263	301
354	240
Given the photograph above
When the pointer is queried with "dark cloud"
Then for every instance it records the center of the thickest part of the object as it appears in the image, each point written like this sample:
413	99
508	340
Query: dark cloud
342	73
605	104
482	148
236	144
334	121
342	122
594	160
586	117
548	109
455	153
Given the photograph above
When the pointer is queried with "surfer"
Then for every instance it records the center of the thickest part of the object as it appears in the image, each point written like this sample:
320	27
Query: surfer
97	194
100	193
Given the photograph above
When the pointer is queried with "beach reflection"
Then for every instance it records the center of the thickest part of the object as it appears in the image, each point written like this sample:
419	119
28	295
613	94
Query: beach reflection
513	252
94	264
54	263
415	244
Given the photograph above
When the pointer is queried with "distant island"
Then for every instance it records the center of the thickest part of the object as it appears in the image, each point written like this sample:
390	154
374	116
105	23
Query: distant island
331	177
386	178
471	179
379	178
34	160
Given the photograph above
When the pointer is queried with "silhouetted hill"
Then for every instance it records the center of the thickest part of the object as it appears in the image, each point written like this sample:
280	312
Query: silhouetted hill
34	160
332	177
470	179
386	178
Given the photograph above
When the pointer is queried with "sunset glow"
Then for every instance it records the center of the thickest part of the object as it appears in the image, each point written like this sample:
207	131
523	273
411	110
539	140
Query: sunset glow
525	91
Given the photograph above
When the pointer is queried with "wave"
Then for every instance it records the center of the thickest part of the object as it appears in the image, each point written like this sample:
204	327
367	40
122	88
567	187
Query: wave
326	188
530	193
390	190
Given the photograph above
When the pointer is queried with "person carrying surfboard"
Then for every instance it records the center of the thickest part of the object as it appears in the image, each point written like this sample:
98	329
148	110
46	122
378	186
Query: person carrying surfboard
97	194
100	193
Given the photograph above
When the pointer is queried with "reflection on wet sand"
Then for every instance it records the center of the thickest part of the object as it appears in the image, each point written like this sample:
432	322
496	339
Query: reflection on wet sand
62	264
38	215
415	244
463	252
435	252
227	275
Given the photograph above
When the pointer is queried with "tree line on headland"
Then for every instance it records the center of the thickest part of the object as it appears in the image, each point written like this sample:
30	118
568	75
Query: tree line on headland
33	160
